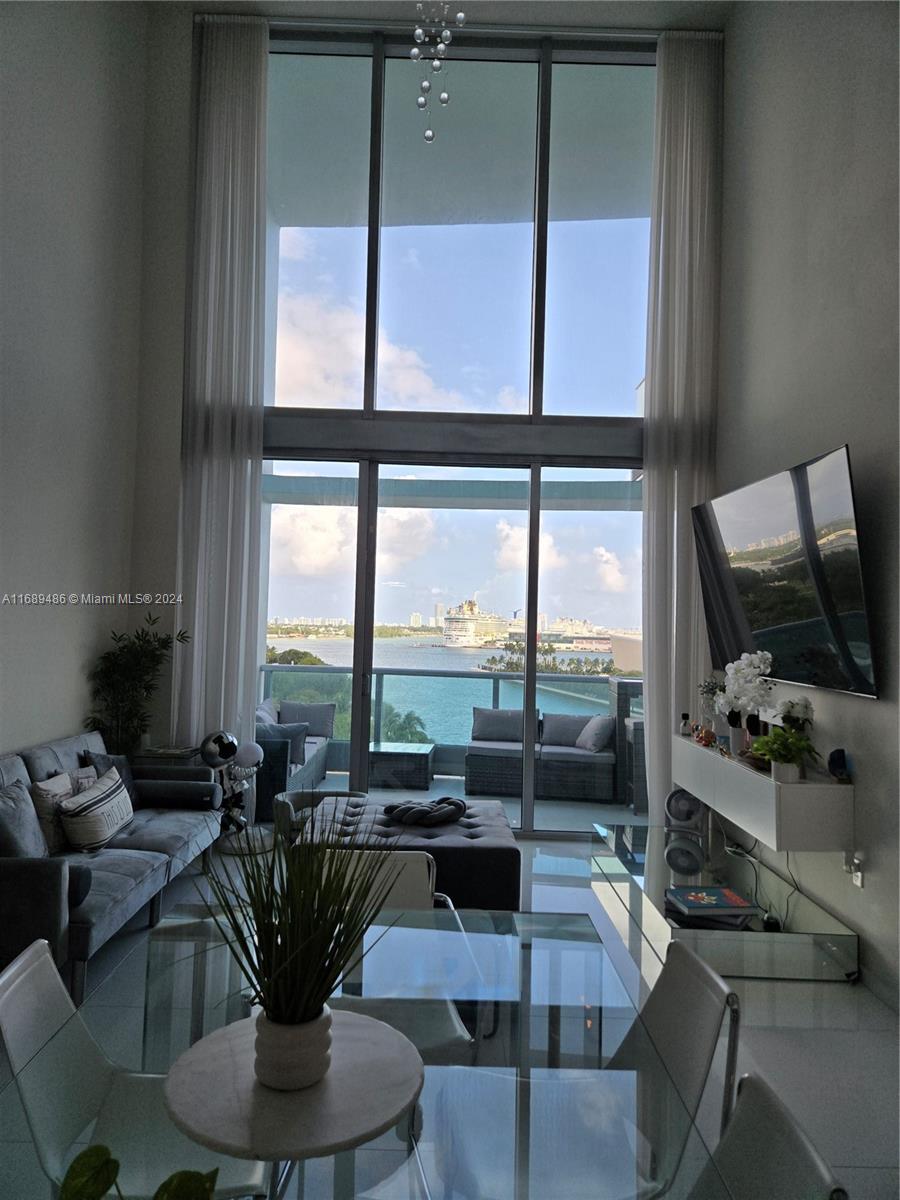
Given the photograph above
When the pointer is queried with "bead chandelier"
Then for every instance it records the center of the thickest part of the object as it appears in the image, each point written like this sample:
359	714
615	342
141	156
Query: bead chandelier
431	40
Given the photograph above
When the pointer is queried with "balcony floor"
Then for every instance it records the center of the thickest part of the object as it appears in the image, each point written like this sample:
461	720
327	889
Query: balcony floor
566	816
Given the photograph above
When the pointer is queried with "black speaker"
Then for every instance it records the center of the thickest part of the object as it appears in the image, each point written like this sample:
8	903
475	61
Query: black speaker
686	832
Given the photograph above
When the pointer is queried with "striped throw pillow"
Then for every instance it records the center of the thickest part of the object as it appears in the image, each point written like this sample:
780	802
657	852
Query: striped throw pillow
50	793
91	818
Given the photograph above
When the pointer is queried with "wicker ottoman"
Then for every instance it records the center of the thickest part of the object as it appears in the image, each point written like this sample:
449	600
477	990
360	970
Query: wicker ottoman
477	858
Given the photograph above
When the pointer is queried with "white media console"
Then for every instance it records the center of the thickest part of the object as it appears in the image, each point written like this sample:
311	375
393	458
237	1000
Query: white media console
814	814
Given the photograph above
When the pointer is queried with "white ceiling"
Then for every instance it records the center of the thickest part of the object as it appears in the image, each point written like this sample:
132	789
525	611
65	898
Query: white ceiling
556	14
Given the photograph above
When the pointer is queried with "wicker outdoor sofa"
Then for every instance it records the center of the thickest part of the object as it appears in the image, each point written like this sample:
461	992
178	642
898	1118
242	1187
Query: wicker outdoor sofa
564	769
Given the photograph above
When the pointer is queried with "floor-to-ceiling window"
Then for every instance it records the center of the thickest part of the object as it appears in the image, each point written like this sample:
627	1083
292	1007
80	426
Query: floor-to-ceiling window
456	342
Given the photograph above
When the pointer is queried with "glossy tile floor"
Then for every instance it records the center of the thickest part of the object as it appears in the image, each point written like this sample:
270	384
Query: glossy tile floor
830	1050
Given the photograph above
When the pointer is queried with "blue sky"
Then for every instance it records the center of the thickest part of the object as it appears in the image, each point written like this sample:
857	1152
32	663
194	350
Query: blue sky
454	335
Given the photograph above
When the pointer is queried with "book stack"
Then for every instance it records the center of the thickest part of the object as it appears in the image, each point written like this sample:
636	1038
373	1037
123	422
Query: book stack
708	908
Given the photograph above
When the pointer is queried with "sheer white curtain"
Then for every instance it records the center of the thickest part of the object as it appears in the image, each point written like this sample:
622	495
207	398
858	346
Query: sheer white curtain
680	391
222	449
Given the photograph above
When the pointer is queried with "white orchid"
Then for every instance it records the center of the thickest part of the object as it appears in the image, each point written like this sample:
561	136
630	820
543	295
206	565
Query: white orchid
746	691
796	713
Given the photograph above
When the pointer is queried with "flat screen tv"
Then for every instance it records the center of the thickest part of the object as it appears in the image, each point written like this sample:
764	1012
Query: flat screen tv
779	568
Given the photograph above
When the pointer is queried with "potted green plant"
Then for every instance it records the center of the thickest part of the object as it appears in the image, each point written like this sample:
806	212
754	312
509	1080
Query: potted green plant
94	1174
786	750
123	682
294	917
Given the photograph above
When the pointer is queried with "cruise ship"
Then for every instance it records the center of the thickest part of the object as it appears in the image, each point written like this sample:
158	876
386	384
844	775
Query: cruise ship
467	625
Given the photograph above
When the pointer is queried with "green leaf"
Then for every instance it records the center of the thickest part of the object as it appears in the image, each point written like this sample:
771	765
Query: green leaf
90	1176
187	1185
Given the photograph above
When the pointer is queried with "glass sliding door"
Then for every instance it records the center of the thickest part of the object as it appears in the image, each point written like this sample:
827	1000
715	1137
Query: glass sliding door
589	664
448	647
310	509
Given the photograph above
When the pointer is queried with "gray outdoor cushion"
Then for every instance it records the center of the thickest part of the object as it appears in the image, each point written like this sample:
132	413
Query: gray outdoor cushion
296	733
267	712
21	835
319	717
497	725
575	754
597	734
562	729
498	749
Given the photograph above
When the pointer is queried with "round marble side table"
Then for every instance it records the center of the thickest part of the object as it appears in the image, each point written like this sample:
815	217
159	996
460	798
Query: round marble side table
213	1096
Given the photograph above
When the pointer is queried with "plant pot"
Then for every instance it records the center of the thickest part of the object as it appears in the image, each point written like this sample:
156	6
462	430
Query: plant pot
291	1057
737	739
785	772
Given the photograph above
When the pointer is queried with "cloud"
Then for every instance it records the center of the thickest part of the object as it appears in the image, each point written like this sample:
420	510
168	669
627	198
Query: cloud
609	570
404	534
394	583
296	245
512	549
319	357
313	540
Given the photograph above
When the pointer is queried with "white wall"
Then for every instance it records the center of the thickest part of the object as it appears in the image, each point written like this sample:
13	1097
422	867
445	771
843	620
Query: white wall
809	355
70	241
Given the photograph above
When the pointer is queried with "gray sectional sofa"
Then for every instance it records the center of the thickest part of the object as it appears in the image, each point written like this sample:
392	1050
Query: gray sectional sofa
77	900
294	761
563	770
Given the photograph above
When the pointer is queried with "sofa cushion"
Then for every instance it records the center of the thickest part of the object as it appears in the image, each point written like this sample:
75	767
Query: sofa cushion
20	830
295	733
497	725
319	717
122	881
179	833
12	768
498	749
574	754
597	734
80	880
561	729
91	818
62	755
267	711
105	762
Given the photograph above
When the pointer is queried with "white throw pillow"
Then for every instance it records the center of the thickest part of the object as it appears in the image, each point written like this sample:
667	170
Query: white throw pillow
49	794
91	818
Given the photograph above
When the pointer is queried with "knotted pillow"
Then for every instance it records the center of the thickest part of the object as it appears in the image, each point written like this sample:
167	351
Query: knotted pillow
427	812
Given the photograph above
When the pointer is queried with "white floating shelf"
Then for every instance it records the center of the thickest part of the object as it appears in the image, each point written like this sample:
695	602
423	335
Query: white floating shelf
814	814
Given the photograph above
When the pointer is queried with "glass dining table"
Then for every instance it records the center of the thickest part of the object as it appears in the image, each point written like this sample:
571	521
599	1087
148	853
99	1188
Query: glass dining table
517	1017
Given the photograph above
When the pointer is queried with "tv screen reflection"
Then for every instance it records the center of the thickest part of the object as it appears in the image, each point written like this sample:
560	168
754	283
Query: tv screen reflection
780	571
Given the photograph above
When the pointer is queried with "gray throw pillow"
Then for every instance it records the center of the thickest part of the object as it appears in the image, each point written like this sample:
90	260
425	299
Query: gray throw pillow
561	729
105	762
20	830
597	734
496	724
295	733
319	717
267	712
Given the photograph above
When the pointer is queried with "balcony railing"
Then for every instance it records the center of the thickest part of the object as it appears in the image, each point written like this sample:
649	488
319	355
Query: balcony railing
443	700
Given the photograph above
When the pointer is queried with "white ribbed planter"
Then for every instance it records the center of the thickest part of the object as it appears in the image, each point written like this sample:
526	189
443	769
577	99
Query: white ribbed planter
291	1057
785	772
737	739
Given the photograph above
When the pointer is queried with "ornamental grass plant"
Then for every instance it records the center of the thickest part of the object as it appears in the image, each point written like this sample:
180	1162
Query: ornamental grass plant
294	916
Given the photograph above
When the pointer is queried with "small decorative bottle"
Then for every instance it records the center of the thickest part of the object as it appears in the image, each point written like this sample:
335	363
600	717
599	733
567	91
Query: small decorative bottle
685	727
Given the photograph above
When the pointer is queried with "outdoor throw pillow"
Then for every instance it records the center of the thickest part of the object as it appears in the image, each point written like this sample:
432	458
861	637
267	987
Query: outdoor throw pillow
20	829
267	712
93	817
50	793
560	729
597	734
496	724
296	733
319	717
105	762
